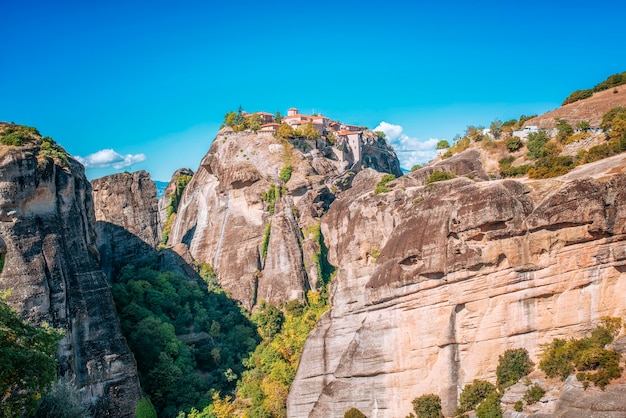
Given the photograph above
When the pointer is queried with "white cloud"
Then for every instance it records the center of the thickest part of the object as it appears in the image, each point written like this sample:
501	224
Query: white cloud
410	150
110	158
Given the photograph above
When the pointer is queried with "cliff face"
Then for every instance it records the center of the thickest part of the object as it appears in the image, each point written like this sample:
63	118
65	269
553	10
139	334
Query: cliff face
256	229
46	227
127	219
434	282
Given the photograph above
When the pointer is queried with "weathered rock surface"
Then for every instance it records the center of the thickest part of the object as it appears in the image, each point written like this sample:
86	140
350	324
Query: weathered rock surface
127	219
434	282
47	226
223	214
164	201
567	399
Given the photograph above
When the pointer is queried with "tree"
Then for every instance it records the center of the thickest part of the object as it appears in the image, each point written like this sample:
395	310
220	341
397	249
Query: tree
310	132
564	130
496	128
490	407
513	143
278	118
254	122
474	133
286	131
614	122
583	125
63	401
229	119
381	134
239	118
354	413
427	406
443	144
536	144
512	366
27	355
473	394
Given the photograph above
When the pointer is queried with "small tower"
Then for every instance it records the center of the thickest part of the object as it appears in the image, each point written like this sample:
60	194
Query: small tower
292	112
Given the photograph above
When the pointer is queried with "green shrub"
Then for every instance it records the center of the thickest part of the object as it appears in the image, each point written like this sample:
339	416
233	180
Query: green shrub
266	240
285	173
490	407
519	406
62	401
536	144
271	197
507	170
427	406
416	167
12	139
381	187
514	143
473	394
145	409
577	95
460	145
533	394
564	130
594	363
512	366
439	176
354	413
443	144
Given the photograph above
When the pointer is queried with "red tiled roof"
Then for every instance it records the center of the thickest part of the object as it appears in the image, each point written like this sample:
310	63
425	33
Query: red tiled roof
348	132
270	124
297	116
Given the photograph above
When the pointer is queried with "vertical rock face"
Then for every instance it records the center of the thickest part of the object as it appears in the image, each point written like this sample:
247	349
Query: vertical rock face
46	225
164	201
240	216
127	219
435	282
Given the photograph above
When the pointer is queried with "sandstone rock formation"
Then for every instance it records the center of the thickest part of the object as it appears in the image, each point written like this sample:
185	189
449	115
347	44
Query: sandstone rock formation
435	281
164	201
237	200
127	219
47	230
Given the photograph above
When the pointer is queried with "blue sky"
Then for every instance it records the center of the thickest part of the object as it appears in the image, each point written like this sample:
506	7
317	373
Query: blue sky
153	80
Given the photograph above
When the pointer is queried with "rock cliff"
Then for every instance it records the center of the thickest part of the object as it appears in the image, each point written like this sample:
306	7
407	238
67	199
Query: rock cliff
127	219
47	231
435	281
252	210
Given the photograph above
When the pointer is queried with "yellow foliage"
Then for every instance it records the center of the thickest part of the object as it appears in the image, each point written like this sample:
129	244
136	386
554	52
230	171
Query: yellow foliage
223	408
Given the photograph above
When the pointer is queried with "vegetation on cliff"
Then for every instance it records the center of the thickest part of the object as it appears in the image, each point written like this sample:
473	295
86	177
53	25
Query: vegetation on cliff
29	365
543	156
587	357
172	208
17	135
189	343
611	82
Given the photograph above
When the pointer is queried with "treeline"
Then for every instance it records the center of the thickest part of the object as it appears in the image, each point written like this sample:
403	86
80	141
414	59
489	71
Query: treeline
190	343
613	81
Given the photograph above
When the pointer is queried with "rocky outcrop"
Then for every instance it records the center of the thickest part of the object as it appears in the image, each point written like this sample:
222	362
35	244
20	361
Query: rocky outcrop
127	219
435	281
164	200
47	228
256	229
